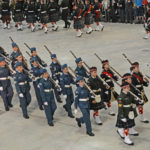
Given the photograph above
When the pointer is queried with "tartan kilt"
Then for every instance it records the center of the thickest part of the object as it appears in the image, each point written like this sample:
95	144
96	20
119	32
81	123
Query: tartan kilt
129	124
44	18
88	19
96	19
31	18
6	18
65	14
78	24
18	17
54	17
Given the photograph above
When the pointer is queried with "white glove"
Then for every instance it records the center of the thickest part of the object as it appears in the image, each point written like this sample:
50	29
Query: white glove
14	72
38	86
1	88
46	103
0	16
59	89
65	96
57	82
141	102
124	120
25	17
75	111
21	95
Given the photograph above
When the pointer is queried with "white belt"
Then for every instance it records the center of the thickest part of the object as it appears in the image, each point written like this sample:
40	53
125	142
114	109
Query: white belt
109	80
96	90
58	73
4	10
18	10
65	8
36	78
52	9
5	78
43	12
97	10
138	85
39	9
48	90
30	11
126	106
77	17
83	99
67	86
22	83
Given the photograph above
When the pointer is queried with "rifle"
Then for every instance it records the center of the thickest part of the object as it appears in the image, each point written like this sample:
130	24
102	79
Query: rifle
23	58
125	56
43	62
6	58
4	52
86	86
83	61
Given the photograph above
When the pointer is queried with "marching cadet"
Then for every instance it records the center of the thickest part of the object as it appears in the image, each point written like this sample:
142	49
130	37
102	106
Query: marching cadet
38	10
5	12
44	17
138	81
53	10
78	20
35	70
88	16
65	82
82	101
31	14
56	71
13	55
108	94
34	55
80	71
96	9
23	88
65	12
46	91
18	15
6	90
125	118
96	85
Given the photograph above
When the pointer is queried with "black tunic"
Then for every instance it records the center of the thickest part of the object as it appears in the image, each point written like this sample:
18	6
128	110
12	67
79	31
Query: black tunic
88	15
44	17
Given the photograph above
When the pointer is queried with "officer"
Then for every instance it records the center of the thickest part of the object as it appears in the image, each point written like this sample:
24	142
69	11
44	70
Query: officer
56	71
80	71
82	101
23	88
138	81
35	70
108	94
6	90
34	55
46	91
13	55
65	82
125	118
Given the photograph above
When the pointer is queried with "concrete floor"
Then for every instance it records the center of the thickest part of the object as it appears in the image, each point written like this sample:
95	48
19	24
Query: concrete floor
17	133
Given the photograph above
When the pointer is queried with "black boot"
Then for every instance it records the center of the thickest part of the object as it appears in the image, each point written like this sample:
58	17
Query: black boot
7	108
10	105
70	115
90	133
41	108
64	106
78	122
59	101
68	24
51	124
26	116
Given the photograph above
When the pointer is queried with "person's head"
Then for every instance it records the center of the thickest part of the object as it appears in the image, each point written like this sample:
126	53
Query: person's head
87	2
35	63
64	68
79	62
96	1
135	67
80	81
125	87
19	66
127	78
93	72
2	62
15	47
54	58
44	73
33	51
19	56
105	64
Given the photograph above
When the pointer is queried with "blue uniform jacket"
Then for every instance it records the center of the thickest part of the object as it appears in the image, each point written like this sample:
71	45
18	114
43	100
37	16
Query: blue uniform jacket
80	71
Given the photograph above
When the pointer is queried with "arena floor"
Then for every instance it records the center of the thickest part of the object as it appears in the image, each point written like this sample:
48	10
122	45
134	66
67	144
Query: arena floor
17	133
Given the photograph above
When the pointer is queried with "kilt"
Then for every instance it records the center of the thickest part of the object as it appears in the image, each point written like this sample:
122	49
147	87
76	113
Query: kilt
18	17
54	16
129	124
96	18
6	18
44	18
79	23
65	14
31	18
88	19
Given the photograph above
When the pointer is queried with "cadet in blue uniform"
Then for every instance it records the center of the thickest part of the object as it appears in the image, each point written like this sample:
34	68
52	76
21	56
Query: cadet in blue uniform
23	88
80	71
82	101
6	90
34	55
46	90
65	82
35	70
13	55
55	69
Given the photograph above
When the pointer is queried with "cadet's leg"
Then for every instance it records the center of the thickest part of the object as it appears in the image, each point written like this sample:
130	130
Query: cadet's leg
10	94
53	106
28	97
141	112
4	97
68	105
57	95
23	104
